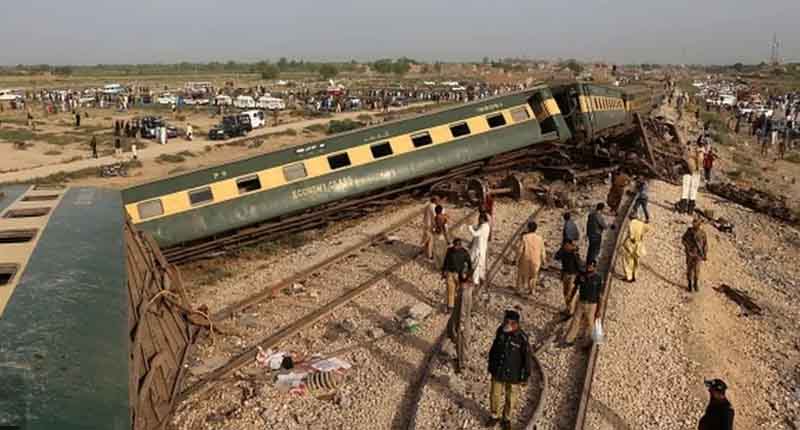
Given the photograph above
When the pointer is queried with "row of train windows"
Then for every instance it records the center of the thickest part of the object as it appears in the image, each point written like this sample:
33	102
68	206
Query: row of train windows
601	103
297	171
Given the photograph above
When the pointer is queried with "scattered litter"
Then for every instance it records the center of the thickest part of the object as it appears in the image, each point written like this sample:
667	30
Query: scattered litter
420	311
411	325
270	359
330	364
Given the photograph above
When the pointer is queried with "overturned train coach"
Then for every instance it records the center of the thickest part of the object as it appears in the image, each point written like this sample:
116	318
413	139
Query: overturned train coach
213	201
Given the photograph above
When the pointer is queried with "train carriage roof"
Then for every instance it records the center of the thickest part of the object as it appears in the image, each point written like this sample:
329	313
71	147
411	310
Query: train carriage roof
377	133
64	359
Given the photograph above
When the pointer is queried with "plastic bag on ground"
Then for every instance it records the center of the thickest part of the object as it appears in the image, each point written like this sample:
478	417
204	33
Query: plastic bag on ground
597	332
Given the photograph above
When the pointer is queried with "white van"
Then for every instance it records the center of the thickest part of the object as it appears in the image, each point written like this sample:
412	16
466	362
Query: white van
270	103
244	102
223	100
252	119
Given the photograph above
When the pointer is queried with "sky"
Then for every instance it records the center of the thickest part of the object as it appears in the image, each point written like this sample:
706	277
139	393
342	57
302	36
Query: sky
615	31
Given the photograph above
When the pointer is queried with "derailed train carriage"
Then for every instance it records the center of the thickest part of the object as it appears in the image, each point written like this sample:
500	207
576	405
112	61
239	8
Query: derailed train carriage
93	326
217	200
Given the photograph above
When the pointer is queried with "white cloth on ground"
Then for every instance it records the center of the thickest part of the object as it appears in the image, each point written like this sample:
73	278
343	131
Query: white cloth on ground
478	251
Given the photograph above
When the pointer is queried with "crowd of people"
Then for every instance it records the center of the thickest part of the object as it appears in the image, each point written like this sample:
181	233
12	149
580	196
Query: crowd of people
464	268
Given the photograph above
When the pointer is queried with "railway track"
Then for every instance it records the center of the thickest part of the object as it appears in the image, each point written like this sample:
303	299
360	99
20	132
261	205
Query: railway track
546	386
425	376
248	355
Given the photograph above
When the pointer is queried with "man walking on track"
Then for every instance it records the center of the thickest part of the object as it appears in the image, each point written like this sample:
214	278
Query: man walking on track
719	412
695	244
510	366
570	266
595	226
531	256
456	269
619	181
633	247
427	227
479	248
590	289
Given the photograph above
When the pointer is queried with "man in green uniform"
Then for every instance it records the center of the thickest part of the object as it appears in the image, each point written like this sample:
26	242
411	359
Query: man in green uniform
695	245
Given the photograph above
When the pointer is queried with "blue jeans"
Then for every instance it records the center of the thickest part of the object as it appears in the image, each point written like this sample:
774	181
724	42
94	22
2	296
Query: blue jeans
641	203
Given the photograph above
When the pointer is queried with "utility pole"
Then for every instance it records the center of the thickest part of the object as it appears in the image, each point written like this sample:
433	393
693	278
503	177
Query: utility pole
775	58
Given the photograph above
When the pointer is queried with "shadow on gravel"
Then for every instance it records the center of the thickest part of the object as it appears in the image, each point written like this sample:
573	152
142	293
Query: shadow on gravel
609	415
661	277
410	373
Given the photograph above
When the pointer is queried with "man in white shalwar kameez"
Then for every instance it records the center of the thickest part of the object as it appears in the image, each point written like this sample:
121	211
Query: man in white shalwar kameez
479	248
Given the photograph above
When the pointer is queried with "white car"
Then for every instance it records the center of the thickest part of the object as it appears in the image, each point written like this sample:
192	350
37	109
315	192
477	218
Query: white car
270	103
244	102
167	99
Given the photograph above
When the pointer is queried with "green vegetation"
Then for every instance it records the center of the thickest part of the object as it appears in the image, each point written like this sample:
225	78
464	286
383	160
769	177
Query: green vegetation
170	158
269	71
16	135
399	67
336	126
315	128
186	153
364	117
177	170
52	152
328	71
793	158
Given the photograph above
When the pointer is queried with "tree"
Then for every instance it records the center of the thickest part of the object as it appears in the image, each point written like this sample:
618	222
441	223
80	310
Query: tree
283	64
269	71
485	60
738	67
63	70
328	71
574	66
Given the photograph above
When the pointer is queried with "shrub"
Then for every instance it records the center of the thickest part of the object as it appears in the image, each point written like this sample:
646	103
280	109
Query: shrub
342	126
170	158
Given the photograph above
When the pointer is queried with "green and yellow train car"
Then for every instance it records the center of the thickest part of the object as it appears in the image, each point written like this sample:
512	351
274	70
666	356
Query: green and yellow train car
215	200
592	111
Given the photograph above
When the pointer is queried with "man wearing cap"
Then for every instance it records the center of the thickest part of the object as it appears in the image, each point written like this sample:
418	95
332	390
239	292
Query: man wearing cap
719	412
695	246
590	288
570	266
510	366
595	226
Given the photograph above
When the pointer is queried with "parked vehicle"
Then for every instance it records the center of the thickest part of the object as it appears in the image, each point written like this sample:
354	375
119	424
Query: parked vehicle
251	119
244	102
223	100
230	126
270	103
167	99
10	95
150	124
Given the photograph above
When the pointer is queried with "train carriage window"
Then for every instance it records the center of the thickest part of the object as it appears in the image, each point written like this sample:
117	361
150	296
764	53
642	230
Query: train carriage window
150	209
496	120
381	150
16	236
519	114
248	184
7	272
339	160
460	129
203	195
40	198
294	172
421	139
26	213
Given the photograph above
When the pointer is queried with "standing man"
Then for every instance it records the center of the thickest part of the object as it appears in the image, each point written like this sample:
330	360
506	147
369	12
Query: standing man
634	247
93	145
695	245
719	412
570	232
456	269
590	288
691	180
510	366
570	266
77	119
619	181
595	226
708	164
530	258
189	132
480	248
427	226
642	199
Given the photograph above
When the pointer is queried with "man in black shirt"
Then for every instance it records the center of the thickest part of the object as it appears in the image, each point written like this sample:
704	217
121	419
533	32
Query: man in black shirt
719	413
456	269
570	266
590	289
571	231
510	366
595	226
